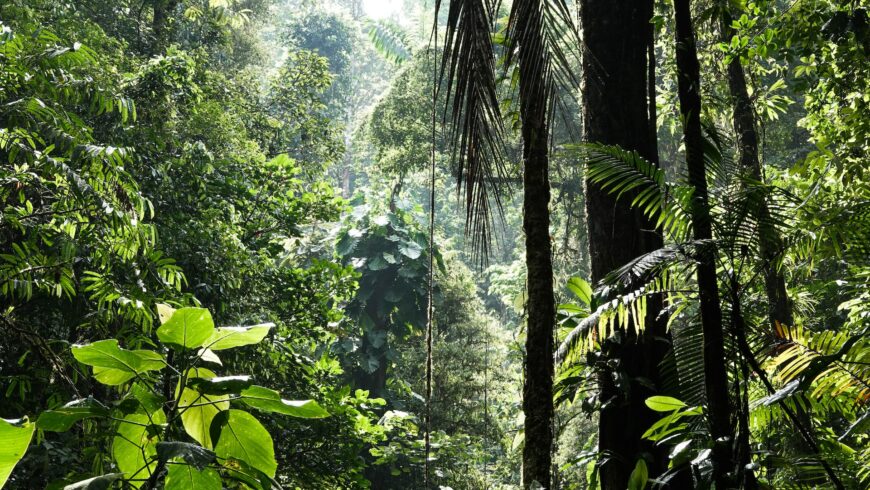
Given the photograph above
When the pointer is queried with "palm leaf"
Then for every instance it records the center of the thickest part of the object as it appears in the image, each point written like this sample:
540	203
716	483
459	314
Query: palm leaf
622	172
825	364
477	130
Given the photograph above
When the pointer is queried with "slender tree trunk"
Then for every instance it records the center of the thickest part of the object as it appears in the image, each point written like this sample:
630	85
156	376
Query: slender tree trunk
617	96
770	242
538	383
715	367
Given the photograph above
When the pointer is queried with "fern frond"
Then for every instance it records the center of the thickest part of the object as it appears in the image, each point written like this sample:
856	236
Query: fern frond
833	364
389	40
626	310
620	171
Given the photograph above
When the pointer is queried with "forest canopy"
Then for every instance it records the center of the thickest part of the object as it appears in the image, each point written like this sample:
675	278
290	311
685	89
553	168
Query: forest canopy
414	244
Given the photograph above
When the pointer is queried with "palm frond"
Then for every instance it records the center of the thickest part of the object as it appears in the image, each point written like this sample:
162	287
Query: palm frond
824	364
688	341
543	32
621	172
624	311
477	130
620	299
838	230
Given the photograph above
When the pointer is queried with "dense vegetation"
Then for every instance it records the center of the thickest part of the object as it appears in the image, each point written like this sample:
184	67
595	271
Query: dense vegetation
647	264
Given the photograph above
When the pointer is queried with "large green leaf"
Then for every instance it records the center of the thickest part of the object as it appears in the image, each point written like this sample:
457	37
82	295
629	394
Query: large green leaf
192	454
230	337
238	470
664	403
198	410
164	312
186	477
148	400
135	445
63	418
271	401
187	327
411	250
15	436
111	363
150	361
581	289
101	482
639	476
112	377
224	385
241	436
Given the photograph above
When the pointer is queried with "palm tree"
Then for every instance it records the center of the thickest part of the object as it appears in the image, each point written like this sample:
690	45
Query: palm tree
532	47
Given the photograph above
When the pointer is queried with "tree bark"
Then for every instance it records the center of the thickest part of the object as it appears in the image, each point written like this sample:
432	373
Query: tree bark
618	109
770	241
538	382
715	367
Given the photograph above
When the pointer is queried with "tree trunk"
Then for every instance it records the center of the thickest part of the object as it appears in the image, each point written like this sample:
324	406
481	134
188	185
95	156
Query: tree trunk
715	368
770	242
618	109
538	383
160	24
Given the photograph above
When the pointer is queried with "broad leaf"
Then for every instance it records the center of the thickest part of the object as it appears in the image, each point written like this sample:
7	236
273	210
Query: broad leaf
15	436
112	377
164	312
150	361
135	446
187	327
198	410
225	385
194	455
230	337
411	250
147	399
208	355
664	403
110	361
639	477
270	401
101	482
63	418
240	471
581	289
186	477
241	436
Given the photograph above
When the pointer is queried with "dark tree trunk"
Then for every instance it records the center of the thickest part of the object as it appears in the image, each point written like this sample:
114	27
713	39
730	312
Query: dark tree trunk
715	368
160	24
618	109
538	383
770	242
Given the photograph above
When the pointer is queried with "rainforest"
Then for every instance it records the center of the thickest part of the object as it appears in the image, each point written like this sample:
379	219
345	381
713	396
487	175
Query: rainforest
434	244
